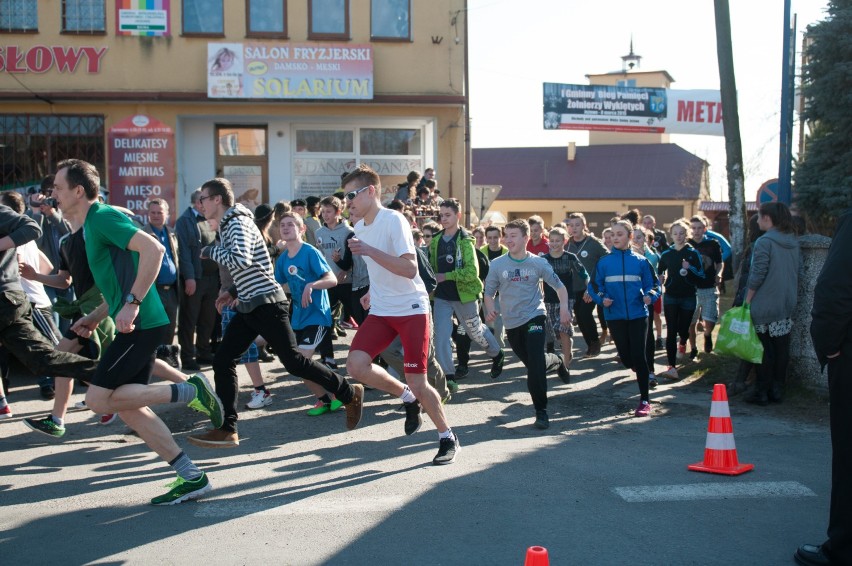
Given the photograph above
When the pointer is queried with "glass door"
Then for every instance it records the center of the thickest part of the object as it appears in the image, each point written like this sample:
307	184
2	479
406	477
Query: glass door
242	158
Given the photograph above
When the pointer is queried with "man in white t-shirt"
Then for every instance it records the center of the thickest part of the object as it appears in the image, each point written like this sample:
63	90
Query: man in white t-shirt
399	305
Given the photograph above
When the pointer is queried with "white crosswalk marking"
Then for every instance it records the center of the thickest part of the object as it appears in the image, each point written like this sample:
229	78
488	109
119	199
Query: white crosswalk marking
691	492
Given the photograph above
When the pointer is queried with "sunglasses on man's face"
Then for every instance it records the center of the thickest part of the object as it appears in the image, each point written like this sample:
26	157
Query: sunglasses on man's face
352	194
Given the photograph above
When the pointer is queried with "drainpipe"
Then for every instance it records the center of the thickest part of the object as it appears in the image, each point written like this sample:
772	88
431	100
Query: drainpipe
468	147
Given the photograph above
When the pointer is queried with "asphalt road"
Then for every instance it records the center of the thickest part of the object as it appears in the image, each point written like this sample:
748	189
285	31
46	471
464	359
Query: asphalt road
598	487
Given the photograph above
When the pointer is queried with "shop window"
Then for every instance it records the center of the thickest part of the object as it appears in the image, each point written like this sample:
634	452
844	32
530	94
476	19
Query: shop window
266	18
203	17
32	144
389	141
322	155
390	20
84	16
328	19
325	141
18	16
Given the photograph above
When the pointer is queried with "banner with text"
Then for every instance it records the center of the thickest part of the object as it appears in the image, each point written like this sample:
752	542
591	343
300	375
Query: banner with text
632	109
278	70
141	164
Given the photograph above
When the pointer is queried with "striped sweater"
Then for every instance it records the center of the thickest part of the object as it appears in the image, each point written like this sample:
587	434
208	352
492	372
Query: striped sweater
243	253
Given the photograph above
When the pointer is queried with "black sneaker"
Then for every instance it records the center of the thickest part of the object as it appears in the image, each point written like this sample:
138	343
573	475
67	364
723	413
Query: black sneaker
162	352
462	371
447	450
264	356
47	391
46	426
173	356
497	365
541	420
693	354
659	344
413	420
564	372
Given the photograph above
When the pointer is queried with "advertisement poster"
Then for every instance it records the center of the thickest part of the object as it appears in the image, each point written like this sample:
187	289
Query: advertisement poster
142	17
141	164
247	182
632	109
276	70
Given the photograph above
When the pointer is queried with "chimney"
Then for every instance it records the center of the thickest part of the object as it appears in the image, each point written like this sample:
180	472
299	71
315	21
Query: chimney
572	151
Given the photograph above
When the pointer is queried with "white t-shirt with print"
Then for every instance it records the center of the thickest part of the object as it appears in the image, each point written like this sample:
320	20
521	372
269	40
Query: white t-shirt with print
391	294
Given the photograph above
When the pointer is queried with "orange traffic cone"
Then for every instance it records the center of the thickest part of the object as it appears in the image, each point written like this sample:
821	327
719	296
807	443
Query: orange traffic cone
720	452
537	556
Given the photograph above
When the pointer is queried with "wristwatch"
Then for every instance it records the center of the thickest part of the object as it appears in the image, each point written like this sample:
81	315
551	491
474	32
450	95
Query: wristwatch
132	300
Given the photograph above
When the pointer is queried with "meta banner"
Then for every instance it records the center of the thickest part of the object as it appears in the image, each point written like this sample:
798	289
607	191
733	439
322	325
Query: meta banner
632	109
43	58
141	164
276	70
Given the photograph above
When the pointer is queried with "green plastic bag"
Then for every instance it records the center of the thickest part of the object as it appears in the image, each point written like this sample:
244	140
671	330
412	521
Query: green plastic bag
737	336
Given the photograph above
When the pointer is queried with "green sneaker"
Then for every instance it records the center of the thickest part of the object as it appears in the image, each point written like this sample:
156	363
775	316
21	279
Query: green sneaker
452	385
335	405
46	426
319	409
182	490
206	401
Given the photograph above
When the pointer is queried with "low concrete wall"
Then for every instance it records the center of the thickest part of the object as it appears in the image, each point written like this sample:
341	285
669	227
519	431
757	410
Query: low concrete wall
804	367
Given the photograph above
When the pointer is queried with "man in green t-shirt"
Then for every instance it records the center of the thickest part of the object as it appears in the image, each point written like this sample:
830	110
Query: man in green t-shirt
125	262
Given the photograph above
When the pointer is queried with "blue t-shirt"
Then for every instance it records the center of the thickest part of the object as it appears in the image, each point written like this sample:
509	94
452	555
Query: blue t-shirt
307	266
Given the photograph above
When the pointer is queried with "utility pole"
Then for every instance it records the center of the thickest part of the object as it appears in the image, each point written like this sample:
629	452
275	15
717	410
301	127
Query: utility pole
731	123
785	150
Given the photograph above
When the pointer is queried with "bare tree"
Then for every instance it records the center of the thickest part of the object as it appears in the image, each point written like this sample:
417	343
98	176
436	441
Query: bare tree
731	122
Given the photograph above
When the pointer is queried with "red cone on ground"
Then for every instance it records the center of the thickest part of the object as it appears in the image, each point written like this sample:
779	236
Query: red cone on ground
537	556
720	451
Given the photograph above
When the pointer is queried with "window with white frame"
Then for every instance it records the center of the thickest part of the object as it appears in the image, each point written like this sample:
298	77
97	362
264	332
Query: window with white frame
84	16
18	16
390	20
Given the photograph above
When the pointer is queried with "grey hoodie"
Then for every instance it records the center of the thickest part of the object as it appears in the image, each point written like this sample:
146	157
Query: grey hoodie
775	268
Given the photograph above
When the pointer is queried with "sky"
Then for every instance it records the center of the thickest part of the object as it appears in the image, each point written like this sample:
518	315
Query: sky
516	46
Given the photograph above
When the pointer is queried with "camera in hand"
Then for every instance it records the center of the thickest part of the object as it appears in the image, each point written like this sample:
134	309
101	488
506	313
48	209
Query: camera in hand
49	201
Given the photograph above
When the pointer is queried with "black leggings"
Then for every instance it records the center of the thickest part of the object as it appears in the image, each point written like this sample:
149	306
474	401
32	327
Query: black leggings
678	320
772	371
272	321
649	340
630	337
601	317
584	313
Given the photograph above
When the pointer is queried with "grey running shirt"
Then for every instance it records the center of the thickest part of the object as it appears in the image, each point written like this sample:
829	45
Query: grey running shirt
518	282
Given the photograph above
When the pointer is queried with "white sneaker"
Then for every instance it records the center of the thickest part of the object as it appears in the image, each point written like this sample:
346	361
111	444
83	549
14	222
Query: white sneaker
259	399
670	373
78	406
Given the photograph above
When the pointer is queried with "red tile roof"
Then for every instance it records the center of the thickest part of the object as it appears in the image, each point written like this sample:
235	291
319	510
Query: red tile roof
646	171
